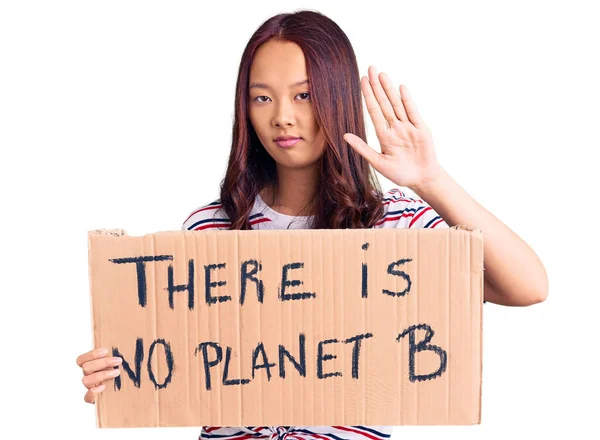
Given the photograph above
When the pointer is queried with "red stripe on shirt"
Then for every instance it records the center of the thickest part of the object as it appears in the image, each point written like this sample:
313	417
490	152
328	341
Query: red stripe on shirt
420	214
217	225
260	220
202	209
372	437
437	223
397	217
401	200
390	192
211	225
208	429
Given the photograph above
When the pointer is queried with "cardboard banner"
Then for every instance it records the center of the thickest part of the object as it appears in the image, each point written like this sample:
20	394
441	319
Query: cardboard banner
296	327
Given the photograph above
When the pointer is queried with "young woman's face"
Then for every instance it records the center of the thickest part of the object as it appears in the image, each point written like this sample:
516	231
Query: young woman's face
280	104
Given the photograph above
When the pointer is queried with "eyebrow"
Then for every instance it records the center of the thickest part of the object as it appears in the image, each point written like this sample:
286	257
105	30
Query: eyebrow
258	85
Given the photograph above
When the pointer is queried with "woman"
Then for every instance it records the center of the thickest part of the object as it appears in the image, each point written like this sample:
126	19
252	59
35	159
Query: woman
297	108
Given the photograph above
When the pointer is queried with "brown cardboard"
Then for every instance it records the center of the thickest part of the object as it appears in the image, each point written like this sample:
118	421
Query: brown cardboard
445	270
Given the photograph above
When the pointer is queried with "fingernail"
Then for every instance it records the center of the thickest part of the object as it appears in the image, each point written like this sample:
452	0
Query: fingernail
117	360
115	372
101	387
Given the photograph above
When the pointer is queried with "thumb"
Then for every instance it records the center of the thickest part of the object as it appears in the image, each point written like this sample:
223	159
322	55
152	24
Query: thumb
361	147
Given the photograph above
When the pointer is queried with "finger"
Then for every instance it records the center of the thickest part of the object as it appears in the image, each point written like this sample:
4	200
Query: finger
91	355
411	107
373	157
90	395
373	108
108	368
381	96
97	378
90	367
393	96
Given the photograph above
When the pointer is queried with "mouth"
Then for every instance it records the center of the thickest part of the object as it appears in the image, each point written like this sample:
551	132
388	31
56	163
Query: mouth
287	142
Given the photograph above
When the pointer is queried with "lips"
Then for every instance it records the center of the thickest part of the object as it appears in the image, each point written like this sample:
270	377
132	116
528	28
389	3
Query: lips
287	141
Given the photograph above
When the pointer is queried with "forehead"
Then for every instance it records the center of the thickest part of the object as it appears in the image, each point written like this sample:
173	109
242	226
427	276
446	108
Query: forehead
278	63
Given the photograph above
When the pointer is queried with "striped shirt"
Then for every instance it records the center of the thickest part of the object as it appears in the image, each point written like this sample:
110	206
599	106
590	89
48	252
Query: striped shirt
297	432
399	212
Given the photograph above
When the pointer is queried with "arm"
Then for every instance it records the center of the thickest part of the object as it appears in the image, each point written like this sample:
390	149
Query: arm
514	275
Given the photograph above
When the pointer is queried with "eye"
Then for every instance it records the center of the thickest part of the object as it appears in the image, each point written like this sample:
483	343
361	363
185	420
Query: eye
258	98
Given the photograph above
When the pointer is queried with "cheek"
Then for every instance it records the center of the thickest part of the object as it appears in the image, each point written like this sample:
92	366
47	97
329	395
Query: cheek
256	122
252	117
318	133
311	127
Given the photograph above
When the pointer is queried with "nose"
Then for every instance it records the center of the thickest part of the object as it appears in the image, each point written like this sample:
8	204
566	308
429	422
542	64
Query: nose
284	114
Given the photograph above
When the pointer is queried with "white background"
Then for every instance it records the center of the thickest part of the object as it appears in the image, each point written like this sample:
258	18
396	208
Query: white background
119	113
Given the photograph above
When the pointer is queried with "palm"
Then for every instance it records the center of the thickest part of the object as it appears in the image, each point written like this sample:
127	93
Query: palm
407	155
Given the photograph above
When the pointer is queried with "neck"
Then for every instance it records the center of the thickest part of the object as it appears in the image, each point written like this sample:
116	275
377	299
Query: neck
293	191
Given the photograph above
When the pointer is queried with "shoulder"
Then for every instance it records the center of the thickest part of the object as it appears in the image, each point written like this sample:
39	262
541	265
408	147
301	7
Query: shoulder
207	216
401	211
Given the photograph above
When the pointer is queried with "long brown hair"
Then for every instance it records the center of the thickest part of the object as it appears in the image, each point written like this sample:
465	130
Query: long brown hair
348	193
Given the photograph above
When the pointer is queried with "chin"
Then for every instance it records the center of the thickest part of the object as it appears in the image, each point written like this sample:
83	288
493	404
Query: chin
300	164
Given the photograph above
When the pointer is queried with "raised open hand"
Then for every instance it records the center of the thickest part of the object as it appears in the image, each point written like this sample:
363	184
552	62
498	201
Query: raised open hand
407	155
